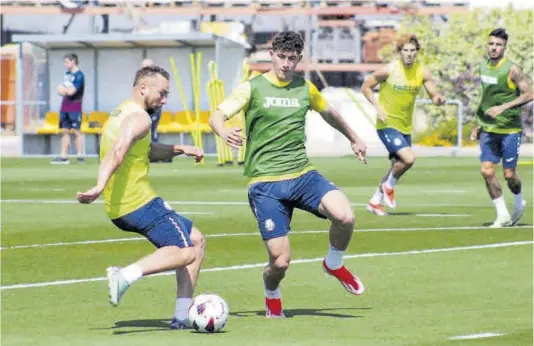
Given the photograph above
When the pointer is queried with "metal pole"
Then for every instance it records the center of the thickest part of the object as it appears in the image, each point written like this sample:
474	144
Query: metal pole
307	46
19	110
460	123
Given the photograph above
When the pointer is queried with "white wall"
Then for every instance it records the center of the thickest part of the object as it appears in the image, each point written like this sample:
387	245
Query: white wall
117	67
116	71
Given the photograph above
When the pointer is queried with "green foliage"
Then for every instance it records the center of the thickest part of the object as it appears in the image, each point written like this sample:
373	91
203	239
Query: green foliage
453	49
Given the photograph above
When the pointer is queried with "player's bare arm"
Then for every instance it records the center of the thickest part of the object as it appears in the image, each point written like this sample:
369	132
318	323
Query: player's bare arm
334	119
233	137
377	77
159	151
431	88
525	88
134	127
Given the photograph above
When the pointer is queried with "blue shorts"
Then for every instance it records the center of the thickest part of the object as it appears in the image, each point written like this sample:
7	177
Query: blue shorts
159	223
70	120
394	141
494	146
273	202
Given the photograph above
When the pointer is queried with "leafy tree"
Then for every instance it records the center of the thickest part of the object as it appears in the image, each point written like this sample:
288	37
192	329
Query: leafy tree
453	47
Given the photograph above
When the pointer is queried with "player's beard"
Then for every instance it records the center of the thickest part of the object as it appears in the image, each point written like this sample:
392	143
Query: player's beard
151	109
496	58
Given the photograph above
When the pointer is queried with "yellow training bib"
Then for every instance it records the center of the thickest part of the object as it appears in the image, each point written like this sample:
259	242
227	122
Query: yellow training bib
128	188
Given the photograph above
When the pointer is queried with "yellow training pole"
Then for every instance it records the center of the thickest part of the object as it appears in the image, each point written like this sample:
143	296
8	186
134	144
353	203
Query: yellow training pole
214	102
181	93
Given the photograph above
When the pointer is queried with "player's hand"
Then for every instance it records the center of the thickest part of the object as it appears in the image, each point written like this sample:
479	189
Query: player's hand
381	114
439	100
197	152
475	133
495	111
234	137
90	195
60	89
359	149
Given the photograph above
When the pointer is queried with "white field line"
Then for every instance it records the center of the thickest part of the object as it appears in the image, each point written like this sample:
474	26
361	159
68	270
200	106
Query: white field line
249	234
68	201
443	215
305	260
476	336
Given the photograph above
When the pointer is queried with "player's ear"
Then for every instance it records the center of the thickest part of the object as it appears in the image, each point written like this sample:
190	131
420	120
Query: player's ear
299	58
143	88
271	52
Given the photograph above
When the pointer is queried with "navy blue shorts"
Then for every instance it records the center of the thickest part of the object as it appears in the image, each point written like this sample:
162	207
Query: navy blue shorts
394	141
159	223
273	202
70	120
494	146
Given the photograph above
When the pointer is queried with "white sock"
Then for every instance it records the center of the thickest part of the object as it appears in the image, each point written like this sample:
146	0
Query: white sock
132	273
182	308
500	206
273	294
377	197
519	200
334	258
391	181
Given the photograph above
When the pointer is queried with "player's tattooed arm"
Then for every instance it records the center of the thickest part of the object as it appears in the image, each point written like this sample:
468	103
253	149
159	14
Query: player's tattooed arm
525	89
523	84
160	151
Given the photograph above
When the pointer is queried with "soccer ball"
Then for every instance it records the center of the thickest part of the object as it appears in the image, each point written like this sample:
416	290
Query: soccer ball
208	313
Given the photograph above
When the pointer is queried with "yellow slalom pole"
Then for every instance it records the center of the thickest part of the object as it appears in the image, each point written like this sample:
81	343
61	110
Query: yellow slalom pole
194	81
214	101
180	88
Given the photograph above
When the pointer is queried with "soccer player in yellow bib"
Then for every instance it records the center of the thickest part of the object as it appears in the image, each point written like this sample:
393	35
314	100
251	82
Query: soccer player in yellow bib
133	206
400	82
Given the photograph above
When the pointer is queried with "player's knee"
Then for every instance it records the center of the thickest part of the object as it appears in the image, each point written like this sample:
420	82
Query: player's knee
509	174
344	218
198	238
182	256
281	264
487	172
409	160
189	255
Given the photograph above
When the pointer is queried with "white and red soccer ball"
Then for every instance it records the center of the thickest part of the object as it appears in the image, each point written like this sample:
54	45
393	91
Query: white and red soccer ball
208	313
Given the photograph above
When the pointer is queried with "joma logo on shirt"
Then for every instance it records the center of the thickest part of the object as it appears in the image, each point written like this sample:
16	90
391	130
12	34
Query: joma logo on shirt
281	102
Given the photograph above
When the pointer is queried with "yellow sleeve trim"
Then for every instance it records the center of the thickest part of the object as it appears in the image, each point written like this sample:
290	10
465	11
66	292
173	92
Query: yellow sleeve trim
317	101
511	83
238	101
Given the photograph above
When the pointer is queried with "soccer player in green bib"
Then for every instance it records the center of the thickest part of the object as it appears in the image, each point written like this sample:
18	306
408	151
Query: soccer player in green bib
504	90
131	204
281	176
400	82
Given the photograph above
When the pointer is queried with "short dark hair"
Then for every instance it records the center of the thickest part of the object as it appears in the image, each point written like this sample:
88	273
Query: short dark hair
288	41
150	71
500	33
71	57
